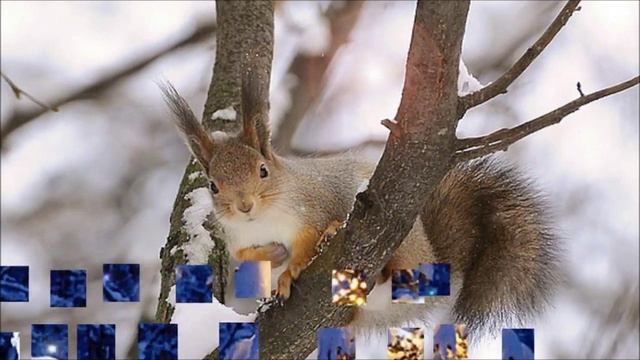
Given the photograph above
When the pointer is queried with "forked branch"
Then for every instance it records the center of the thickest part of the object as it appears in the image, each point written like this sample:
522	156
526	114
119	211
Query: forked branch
471	148
503	82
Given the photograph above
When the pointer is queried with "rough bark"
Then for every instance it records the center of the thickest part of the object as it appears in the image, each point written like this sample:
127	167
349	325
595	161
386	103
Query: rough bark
242	26
416	158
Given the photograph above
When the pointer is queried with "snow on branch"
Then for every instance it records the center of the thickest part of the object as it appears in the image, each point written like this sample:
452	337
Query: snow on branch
502	83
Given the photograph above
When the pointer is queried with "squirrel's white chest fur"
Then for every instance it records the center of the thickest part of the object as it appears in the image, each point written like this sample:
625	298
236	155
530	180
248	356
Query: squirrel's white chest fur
271	225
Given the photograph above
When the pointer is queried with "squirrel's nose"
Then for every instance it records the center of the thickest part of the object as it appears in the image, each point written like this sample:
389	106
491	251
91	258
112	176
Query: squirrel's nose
244	205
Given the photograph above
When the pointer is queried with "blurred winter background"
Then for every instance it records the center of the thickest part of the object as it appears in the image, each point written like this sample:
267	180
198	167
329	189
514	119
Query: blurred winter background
94	183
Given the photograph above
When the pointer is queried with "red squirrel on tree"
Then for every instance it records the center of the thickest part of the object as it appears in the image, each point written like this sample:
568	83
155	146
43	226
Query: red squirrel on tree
484	218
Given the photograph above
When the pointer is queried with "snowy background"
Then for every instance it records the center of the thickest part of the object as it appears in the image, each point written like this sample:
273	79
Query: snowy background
95	182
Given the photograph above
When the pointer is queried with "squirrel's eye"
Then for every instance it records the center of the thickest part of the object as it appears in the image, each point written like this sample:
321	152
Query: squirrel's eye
213	187
263	171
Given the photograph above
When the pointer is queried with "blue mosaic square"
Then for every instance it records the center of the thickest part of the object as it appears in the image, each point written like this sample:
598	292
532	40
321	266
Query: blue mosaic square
253	280
336	344
518	344
9	345
444	341
238	341
435	280
157	341
14	283
68	288
96	341
405	286
121	282
194	284
50	341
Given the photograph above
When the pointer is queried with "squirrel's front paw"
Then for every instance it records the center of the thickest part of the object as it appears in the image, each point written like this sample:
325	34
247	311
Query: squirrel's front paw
284	285
276	253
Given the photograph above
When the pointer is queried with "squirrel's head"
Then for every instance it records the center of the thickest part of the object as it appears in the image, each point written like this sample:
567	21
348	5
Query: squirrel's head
243	180
244	174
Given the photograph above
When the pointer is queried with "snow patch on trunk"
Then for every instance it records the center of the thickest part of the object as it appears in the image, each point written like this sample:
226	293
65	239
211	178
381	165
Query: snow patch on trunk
225	114
171	298
199	246
194	175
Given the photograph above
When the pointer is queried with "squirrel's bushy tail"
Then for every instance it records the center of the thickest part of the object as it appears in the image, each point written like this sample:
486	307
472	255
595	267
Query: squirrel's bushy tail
493	227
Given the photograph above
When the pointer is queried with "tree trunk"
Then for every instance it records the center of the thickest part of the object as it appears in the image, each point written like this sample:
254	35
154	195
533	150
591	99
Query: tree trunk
241	26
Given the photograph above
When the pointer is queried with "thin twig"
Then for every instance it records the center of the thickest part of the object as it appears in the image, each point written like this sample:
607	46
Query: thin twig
470	148
105	82
394	127
502	83
500	60
579	87
17	91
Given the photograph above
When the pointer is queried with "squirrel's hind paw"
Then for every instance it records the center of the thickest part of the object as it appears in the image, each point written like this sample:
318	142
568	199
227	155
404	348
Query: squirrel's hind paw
332	229
284	285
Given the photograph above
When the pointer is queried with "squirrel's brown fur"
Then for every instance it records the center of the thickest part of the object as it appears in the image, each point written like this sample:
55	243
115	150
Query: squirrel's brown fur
492	224
484	218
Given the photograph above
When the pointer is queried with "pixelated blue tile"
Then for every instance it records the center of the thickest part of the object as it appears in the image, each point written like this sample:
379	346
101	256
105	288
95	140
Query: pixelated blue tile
435	279
336	344
157	341
253	280
194	284
238	341
444	340
68	288
14	283
348	287
9	345
405	286
121	282
518	344
96	341
50	341
405	343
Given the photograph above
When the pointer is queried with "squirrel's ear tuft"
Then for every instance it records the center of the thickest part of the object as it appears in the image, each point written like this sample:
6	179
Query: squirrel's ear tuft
255	112
198	140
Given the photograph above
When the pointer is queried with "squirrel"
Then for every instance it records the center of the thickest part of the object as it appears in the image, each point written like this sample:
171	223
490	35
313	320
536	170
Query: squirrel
485	219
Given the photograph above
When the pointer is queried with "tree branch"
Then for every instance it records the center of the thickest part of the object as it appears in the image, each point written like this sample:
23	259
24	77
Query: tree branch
502	83
17	91
470	148
104	83
310	71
